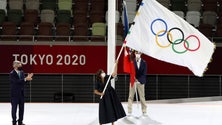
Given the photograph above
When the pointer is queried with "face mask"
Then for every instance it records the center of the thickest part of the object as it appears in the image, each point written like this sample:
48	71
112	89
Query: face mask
19	68
103	74
138	56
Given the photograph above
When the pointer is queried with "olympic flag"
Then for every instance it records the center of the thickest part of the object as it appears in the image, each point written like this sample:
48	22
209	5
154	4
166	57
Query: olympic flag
163	35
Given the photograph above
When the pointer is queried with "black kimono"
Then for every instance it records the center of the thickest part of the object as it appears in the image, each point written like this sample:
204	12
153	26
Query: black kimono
110	107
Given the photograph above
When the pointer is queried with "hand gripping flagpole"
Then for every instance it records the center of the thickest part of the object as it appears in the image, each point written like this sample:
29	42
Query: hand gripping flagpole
113	69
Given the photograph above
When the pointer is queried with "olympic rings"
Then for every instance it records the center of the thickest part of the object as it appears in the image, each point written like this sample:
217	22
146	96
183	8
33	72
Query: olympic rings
170	38
188	46
185	41
157	39
161	21
175	28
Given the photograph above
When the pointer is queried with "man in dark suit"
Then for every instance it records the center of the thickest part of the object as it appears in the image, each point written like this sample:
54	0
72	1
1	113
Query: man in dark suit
17	81
140	80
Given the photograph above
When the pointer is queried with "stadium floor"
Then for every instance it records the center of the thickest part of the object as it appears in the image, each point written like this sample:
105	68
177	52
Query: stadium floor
193	113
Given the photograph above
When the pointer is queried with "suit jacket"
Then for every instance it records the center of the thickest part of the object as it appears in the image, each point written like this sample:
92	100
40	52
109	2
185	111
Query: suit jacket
17	84
141	71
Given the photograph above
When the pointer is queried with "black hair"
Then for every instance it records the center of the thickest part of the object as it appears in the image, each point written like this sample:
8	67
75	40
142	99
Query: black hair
98	75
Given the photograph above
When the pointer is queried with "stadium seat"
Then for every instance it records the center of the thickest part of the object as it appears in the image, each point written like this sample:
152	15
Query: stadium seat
98	32
31	16
63	32
3	5
210	17
80	32
218	32
99	29
193	17
15	16
98	8
80	17
48	0
220	6
206	29
96	16
179	13
219	21
49	4
165	3
81	6
2	16
70	1
65	5
16	4
26	31
63	16
45	32
9	29
194	5
98	5
32	4
76	1
47	16
97	1
210	5
220	10
178	5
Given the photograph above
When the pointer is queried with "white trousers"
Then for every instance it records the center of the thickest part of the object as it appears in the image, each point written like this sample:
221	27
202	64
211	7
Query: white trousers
141	92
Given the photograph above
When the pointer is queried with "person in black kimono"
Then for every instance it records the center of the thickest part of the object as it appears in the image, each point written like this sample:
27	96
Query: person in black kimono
110	107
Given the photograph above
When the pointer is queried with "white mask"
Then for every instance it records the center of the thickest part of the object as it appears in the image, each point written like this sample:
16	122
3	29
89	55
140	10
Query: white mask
138	56
103	74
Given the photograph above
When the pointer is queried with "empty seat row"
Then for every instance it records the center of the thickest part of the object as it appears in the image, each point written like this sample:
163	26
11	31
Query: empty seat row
195	17
192	5
206	24
18	4
47	32
80	10
35	4
56	4
53	5
50	16
13	16
208	31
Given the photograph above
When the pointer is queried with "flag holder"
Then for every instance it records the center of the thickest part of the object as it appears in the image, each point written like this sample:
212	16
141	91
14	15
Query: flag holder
112	70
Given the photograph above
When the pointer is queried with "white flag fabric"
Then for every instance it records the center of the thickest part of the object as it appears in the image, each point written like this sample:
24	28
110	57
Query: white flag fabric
161	34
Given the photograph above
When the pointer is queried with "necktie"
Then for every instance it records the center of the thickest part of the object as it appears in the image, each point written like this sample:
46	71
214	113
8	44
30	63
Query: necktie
19	74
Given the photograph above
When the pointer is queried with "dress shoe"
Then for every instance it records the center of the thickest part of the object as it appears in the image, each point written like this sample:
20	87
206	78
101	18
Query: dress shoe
21	124
145	114
13	123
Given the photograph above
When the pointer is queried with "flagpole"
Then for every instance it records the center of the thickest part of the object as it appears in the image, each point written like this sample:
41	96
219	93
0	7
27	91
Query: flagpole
111	37
112	70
